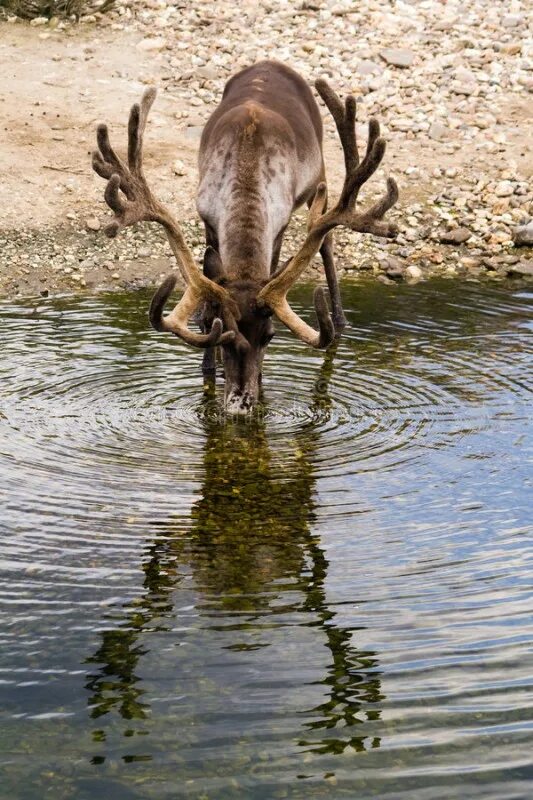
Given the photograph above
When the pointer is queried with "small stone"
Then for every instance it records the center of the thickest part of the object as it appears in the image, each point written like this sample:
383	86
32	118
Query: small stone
413	274
393	268
512	20
455	236
457	87
115	275
37	21
504	189
522	268
144	252
179	167
208	73
92	224
148	45
523	235
438	131
397	57
470	263
367	67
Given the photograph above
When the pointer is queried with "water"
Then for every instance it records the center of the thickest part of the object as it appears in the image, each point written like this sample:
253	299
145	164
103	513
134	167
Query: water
332	600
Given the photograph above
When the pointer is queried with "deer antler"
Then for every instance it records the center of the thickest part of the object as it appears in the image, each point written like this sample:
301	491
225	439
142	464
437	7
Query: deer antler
320	221
137	203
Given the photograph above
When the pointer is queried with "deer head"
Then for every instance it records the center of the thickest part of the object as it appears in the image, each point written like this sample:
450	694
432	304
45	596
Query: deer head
236	314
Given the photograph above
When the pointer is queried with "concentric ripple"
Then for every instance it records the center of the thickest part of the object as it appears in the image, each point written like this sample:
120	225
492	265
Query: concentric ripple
331	598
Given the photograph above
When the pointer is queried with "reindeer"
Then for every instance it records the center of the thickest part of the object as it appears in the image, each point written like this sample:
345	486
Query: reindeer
260	158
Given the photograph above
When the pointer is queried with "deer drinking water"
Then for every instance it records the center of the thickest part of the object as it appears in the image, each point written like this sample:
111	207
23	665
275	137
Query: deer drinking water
260	158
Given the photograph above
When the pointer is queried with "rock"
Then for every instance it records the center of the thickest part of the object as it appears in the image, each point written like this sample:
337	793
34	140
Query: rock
413	274
367	67
179	167
458	87
393	268
512	20
438	131
385	280
524	268
208	73
523	235
470	263
144	252
148	45
455	236
504	189
92	224
397	57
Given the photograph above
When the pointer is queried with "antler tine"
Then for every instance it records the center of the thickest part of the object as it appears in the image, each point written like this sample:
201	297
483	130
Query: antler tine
176	321
136	126
136	204
344	116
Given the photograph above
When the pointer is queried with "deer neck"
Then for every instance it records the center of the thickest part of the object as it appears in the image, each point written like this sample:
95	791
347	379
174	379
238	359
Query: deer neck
252	202
245	236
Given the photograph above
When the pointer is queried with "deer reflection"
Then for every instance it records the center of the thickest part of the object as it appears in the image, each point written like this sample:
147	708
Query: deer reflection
250	541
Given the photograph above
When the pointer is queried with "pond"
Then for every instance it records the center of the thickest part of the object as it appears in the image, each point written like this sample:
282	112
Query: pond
332	599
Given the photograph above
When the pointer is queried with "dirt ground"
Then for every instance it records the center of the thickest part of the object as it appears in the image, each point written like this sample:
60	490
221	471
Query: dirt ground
56	88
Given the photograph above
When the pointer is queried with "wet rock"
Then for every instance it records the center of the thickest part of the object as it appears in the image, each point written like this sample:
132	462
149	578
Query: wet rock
393	268
455	236
523	268
397	57
413	274
523	235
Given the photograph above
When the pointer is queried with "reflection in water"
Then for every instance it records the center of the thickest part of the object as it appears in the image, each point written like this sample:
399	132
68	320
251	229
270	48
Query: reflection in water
249	542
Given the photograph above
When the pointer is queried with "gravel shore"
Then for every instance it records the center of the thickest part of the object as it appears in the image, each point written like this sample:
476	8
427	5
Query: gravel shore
450	82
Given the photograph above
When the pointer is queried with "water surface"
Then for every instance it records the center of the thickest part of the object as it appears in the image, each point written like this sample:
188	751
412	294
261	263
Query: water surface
331	600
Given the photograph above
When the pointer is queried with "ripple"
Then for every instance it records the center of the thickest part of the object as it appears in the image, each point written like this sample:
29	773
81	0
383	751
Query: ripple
344	572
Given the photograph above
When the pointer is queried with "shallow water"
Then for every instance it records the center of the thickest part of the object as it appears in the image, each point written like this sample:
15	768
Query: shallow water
331	600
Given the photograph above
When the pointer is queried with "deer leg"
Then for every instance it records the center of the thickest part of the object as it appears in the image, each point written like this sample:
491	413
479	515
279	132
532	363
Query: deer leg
209	359
326	251
337	313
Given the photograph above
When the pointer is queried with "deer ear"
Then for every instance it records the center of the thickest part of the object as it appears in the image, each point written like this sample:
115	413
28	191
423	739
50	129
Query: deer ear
213	268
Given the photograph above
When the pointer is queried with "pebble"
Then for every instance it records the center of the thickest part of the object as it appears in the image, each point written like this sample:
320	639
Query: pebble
397	57
523	235
413	274
438	131
504	189
93	224
524	268
179	167
149	45
455	236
